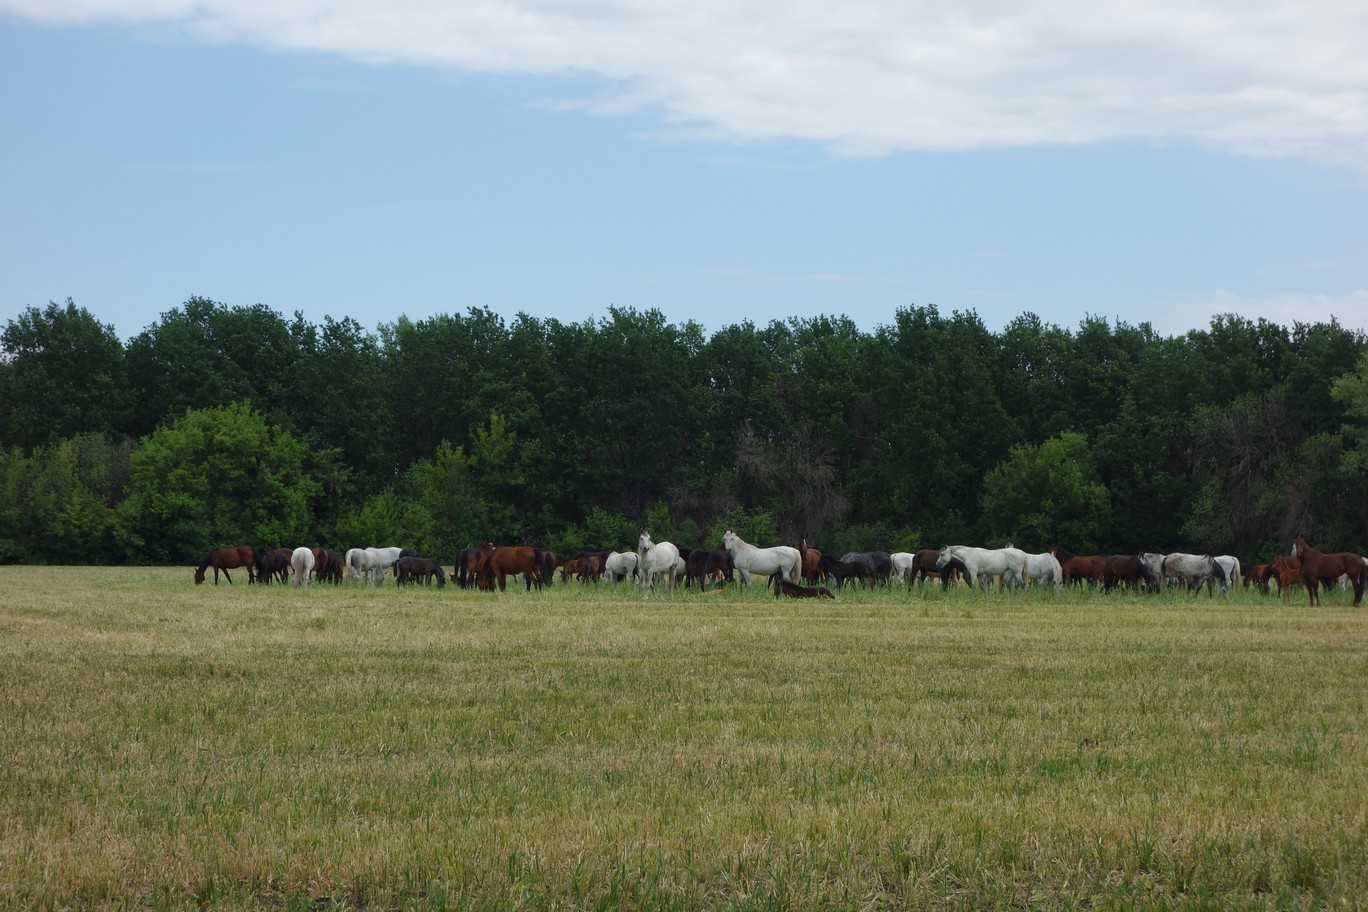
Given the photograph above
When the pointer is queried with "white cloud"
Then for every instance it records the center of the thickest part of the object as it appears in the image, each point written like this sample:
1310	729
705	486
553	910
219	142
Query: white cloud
868	77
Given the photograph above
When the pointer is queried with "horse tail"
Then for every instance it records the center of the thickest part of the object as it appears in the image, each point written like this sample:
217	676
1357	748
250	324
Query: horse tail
797	568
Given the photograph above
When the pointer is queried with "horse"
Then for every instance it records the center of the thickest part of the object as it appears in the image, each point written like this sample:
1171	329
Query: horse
810	558
656	559
373	562
1194	570
226	559
273	563
1287	571
418	570
1129	569
880	564
793	590
469	562
984	562
301	565
1078	567
902	562
1230	569
702	564
1318	567
620	565
924	563
504	562
763	561
1045	568
840	571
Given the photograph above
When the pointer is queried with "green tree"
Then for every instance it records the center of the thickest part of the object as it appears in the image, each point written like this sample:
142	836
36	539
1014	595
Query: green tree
70	500
206	354
1044	494
63	373
216	476
1350	391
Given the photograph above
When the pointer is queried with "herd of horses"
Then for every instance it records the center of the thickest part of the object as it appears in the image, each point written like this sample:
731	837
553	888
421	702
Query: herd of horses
800	572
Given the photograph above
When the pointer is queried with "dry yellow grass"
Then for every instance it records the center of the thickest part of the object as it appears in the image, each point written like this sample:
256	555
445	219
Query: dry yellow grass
171	746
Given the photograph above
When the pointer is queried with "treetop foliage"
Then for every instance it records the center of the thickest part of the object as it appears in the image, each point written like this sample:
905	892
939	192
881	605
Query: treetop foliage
227	424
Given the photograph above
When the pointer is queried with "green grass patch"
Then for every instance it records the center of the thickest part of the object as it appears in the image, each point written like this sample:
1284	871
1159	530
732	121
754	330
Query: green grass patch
164	745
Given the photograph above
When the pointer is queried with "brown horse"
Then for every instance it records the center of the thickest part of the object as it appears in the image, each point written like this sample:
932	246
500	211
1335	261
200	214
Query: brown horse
1318	567
1287	571
811	558
469	563
1078	567
505	562
226	559
1128	569
793	590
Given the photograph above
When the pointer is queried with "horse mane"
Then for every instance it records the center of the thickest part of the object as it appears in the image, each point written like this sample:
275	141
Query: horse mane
1062	553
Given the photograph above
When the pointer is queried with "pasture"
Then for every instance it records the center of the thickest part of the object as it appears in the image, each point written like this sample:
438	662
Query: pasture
171	746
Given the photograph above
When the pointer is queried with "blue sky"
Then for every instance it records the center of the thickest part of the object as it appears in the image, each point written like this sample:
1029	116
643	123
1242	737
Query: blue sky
719	162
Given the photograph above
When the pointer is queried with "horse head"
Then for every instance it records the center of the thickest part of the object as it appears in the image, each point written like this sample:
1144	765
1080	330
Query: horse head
644	543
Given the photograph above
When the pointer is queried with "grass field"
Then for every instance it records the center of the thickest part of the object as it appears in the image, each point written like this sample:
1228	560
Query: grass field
164	745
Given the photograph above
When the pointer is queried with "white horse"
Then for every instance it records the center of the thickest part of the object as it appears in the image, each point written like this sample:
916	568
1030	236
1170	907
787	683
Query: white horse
995	564
1045	568
372	562
656	559
902	565
1230	569
620	565
1193	570
1154	563
301	565
781	559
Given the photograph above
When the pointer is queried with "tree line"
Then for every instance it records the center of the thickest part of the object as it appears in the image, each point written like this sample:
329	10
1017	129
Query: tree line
226	424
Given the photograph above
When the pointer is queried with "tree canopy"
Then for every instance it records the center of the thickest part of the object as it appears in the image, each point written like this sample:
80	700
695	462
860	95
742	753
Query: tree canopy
226	424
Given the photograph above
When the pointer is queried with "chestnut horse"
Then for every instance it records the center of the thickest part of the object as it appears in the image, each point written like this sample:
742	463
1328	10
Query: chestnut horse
811	556
226	559
1318	567
1078	567
505	562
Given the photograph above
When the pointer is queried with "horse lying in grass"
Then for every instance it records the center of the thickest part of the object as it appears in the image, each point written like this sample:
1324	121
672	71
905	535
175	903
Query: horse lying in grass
793	590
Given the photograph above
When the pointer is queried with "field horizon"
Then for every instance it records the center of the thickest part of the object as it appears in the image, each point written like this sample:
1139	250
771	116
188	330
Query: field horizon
174	746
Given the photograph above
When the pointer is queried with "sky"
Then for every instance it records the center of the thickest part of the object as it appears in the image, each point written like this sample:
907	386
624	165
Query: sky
1156	163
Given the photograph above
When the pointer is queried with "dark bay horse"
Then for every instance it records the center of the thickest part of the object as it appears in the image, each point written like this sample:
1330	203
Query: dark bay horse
418	570
1128	569
1318	567
505	562
226	559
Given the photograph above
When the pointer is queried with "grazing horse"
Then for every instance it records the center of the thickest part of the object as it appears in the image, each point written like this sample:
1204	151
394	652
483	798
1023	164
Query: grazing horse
373	562
1045	568
1129	569
979	562
840	571
418	570
273	564
880	564
780	559
656	559
504	562
301	565
1319	567
1193	570
226	559
620	565
1078	567
469	562
1230	570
